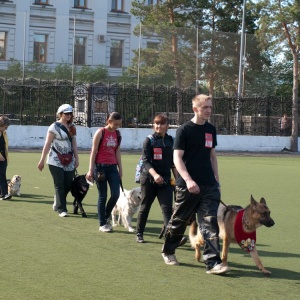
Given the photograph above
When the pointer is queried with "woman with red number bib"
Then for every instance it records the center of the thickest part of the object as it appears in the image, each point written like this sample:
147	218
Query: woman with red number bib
155	178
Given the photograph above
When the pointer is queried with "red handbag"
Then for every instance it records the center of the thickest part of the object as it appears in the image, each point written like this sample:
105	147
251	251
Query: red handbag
65	159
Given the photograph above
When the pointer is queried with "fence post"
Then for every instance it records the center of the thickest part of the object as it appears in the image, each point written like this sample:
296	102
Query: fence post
89	105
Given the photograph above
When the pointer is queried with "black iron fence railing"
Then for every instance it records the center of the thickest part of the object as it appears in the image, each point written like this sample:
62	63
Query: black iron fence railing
34	102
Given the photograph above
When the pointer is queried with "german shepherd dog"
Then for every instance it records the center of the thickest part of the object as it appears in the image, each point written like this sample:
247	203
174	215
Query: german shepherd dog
237	225
79	190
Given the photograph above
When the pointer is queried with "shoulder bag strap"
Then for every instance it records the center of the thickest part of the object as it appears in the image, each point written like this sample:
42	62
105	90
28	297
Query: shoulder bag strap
63	128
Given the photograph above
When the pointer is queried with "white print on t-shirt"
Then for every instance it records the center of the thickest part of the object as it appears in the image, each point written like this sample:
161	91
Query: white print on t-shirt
111	141
208	140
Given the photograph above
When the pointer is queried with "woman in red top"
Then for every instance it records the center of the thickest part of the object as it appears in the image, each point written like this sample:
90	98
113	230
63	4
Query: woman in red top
105	159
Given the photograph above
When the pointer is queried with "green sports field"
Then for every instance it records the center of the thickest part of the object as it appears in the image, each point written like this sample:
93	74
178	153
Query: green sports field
47	257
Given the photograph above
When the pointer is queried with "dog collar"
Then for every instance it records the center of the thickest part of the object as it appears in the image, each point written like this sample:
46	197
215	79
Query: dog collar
246	240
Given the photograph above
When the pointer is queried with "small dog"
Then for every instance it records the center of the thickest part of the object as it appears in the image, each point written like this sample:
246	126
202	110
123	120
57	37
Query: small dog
79	189
126	207
237	225
14	185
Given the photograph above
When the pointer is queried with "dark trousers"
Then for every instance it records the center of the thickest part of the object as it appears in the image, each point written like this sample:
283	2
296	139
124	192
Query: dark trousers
3	181
164	195
206	206
62	184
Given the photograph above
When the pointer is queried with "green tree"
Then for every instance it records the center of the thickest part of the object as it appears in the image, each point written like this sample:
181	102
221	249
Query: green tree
92	74
63	71
280	24
14	69
38	70
173	25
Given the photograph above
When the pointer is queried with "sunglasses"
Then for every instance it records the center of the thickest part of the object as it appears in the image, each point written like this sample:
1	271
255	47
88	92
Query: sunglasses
68	114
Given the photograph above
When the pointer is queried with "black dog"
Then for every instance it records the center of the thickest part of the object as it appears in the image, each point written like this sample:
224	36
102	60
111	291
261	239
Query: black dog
79	189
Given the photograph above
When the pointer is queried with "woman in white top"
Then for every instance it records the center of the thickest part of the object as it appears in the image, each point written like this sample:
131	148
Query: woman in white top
61	139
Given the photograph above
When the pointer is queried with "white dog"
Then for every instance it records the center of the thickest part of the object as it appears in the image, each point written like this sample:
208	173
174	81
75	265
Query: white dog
14	186
126	207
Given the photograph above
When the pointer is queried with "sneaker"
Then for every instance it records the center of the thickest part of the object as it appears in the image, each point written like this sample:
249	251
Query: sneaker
108	224
170	259
139	238
105	228
63	214
218	269
6	197
54	204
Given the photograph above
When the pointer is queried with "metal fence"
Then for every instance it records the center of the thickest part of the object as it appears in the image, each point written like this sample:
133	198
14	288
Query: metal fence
34	102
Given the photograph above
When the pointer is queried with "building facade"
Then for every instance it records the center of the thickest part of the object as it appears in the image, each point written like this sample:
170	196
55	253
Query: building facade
77	32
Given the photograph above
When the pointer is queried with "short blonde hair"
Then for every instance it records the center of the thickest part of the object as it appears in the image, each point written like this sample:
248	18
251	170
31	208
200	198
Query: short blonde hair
199	98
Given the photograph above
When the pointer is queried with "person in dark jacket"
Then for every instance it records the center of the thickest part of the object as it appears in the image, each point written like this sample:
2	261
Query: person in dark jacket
156	175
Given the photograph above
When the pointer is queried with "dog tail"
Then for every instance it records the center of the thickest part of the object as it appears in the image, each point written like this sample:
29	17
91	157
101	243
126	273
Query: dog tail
196	239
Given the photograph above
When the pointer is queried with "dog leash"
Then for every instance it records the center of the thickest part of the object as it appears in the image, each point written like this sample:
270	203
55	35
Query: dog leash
121	185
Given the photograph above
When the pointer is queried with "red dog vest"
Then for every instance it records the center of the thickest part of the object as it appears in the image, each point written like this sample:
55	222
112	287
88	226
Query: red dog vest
246	240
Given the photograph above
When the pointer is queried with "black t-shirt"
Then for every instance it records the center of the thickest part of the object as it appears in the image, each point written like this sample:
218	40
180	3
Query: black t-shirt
197	142
2	146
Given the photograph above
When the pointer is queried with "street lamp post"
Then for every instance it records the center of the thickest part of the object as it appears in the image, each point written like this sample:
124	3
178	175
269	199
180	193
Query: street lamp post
241	69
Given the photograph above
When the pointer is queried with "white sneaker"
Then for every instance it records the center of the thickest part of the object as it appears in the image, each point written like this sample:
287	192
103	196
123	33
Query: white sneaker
6	197
108	224
54	204
105	228
170	259
63	214
218	269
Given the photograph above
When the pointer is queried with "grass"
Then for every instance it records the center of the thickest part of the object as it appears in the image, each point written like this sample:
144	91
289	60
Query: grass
47	257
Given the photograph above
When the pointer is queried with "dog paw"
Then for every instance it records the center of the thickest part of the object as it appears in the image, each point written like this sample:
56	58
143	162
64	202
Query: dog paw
130	229
266	272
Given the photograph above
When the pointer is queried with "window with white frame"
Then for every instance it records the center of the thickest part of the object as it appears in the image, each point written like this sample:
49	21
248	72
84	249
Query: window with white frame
116	54
80	3
117	5
79	51
40	48
2	44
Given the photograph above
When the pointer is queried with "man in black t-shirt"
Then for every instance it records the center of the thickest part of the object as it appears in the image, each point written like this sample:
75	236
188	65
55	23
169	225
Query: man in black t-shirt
197	186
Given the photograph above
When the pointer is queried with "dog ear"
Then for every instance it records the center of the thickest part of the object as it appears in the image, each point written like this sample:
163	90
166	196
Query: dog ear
263	201
253	201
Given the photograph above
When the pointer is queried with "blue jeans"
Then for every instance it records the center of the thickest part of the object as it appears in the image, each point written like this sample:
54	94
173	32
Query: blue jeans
3	181
112	177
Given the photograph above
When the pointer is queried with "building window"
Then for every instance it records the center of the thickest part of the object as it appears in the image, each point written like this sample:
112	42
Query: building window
116	54
79	51
2	44
152	2
41	2
152	45
40	48
117	5
80	3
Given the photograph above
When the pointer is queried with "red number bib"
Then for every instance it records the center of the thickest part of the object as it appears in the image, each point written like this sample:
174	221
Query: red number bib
157	153
208	140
